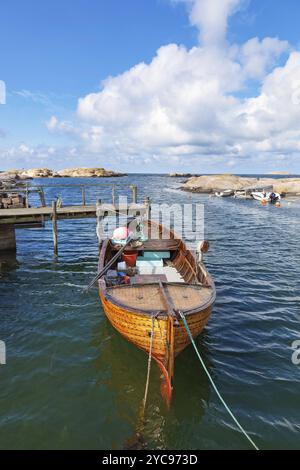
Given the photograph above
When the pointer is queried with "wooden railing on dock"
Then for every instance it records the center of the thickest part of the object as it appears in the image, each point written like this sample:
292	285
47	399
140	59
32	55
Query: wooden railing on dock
28	189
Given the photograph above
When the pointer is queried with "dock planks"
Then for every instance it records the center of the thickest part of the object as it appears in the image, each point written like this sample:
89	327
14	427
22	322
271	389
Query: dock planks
34	214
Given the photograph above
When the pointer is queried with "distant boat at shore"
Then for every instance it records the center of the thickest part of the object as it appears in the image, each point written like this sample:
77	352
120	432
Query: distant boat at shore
225	193
266	197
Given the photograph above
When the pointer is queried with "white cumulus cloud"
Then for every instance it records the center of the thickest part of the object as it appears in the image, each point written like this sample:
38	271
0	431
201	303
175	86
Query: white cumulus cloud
214	102
211	17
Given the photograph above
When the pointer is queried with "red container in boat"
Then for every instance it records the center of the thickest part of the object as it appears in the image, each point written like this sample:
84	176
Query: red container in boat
130	258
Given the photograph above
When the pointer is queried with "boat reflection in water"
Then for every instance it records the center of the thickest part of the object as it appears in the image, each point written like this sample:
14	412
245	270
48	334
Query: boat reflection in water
121	376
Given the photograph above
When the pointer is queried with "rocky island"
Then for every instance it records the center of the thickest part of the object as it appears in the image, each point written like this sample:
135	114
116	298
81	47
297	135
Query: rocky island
87	173
67	173
213	183
181	175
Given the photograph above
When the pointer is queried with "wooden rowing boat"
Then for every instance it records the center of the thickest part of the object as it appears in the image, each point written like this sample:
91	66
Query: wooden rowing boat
149	306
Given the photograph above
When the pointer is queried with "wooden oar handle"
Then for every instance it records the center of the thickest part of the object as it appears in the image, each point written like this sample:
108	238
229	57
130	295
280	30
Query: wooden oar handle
106	268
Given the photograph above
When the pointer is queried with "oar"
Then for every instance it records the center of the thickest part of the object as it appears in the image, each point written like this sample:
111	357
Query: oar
106	268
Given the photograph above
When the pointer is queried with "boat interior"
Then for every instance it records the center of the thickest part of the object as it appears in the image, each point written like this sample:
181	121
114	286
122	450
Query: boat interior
158	264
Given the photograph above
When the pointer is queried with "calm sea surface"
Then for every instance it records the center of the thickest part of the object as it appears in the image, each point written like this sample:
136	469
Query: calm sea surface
72	382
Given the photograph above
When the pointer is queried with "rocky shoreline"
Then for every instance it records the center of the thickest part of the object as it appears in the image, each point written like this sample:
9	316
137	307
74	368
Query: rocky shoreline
211	183
67	173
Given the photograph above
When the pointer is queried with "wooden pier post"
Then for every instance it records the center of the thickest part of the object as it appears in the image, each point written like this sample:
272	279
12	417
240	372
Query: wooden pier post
134	194
7	238
99	228
54	227
114	195
148	207
42	197
83	197
27	196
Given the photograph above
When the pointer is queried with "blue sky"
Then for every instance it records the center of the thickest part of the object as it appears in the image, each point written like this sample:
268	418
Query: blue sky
55	52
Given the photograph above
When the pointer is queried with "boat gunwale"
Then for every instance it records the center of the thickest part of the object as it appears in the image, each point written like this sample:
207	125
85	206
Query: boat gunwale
143	312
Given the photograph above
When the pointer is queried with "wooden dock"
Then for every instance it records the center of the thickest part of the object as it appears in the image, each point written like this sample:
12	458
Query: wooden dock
35	217
31	215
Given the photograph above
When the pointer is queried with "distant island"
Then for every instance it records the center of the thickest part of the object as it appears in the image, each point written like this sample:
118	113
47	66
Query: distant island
67	173
181	175
213	183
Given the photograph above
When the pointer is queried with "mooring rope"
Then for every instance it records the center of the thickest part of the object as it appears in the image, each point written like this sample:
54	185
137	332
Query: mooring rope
149	366
213	384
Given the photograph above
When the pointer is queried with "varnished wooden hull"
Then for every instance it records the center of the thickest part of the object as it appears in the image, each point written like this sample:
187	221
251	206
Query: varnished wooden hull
136	328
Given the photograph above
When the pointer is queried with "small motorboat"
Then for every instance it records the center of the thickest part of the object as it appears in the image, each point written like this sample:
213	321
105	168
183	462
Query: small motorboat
265	197
163	280
225	193
240	194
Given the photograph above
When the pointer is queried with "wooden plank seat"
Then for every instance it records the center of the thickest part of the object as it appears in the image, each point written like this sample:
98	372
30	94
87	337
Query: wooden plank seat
154	245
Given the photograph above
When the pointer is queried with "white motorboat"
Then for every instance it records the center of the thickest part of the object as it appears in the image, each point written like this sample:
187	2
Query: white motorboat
265	197
225	193
240	194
